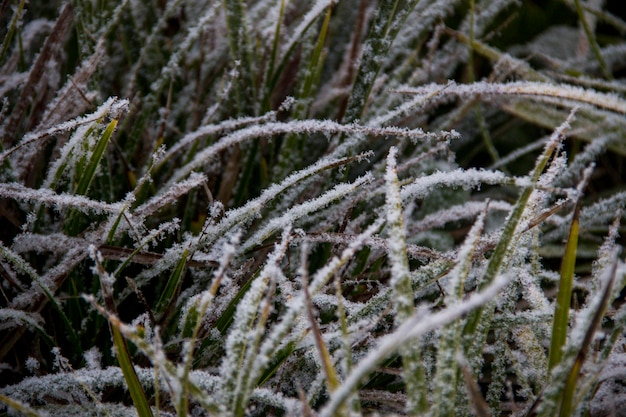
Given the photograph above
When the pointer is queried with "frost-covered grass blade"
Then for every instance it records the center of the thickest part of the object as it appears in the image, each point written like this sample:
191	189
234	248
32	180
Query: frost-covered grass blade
311	207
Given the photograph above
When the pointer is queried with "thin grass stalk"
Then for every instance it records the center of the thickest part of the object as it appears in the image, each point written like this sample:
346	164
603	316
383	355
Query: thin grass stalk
563	94
245	337
355	406
413	372
121	348
504	243
23	409
330	374
21	265
240	51
488	143
564	295
291	151
170	292
447	368
297	36
272	62
156	355
13	26
593	42
279	337
417	326
52	45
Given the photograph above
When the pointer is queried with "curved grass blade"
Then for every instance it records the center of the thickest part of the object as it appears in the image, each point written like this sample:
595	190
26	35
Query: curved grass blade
417	326
506	240
23	409
413	371
21	265
121	348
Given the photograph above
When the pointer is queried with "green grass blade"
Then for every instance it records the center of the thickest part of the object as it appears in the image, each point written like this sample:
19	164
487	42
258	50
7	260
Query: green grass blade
90	170
383	30
240	51
21	265
269	87
332	380
8	37
569	391
502	248
564	296
316	62
292	148
23	409
447	376
593	42
134	386
172	286
121	348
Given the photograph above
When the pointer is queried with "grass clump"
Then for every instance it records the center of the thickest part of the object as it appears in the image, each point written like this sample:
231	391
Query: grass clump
311	208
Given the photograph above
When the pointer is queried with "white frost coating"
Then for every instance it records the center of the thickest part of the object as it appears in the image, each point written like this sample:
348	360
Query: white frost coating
531	90
10	318
397	251
296	305
295	127
244	335
314	11
171	69
93	358
455	286
114	107
585	316
455	213
419	324
394	203
214	129
297	212
57	243
469	178
173	193
252	208
46	196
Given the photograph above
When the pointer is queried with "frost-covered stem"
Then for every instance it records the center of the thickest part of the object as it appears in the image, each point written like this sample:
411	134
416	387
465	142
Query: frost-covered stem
244	214
446	380
413	328
401	285
240	52
279	334
205	301
564	94
244	338
388	21
501	250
